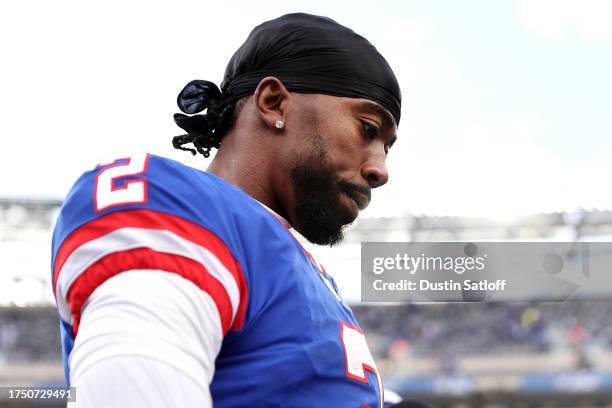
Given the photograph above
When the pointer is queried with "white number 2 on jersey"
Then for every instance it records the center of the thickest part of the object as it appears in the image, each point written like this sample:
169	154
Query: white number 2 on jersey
132	192
358	357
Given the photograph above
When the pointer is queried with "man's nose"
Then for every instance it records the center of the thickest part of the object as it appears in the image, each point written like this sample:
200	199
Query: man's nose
374	170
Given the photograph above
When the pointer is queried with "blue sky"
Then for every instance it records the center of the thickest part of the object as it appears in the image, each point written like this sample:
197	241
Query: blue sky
506	103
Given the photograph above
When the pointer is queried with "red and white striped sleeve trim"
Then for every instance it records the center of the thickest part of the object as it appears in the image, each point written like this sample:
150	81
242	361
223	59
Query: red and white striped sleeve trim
145	239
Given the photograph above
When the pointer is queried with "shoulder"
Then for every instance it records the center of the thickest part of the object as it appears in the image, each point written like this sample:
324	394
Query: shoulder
148	212
150	185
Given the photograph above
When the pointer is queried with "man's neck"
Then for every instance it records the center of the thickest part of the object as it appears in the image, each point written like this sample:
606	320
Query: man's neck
247	173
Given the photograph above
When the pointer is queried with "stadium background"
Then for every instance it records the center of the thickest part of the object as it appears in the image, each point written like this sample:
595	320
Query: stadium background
505	121
453	355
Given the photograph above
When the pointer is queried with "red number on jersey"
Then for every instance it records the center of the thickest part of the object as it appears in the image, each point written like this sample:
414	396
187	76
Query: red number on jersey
106	195
358	357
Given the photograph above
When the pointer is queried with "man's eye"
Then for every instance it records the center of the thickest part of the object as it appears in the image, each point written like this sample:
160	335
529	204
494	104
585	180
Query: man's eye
370	131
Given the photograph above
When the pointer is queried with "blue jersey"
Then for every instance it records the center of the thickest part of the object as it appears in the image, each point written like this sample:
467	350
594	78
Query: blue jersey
289	339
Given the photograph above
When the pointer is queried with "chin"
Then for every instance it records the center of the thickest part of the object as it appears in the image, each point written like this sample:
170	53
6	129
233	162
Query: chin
325	228
326	239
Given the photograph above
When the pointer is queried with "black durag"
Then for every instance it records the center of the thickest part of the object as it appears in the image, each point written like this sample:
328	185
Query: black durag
309	54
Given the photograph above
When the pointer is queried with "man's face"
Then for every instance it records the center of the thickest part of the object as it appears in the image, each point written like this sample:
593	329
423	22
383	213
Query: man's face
342	145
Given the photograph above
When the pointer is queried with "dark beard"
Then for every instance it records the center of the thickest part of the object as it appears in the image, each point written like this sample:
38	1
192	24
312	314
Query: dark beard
319	213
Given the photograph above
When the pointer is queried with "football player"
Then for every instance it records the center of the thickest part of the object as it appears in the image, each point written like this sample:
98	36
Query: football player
178	287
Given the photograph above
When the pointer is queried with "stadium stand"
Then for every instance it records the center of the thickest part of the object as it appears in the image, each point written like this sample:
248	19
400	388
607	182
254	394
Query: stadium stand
454	355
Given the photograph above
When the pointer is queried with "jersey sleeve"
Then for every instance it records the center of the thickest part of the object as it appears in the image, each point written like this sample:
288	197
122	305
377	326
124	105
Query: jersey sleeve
146	213
137	382
147	338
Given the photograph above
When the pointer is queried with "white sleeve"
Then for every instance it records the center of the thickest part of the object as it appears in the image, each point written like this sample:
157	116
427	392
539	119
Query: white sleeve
146	338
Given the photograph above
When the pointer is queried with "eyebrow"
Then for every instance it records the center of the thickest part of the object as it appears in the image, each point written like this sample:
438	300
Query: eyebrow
375	108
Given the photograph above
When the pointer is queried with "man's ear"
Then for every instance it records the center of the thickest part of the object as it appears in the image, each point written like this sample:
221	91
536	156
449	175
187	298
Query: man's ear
271	97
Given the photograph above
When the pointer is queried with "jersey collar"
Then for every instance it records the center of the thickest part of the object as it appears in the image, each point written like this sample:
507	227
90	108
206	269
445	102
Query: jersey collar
280	218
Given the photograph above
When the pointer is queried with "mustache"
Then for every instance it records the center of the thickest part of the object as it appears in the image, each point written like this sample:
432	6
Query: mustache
348	188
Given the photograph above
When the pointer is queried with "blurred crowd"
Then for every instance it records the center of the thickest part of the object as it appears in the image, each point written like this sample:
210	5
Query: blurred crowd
438	330
451	329
29	334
